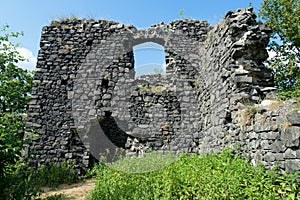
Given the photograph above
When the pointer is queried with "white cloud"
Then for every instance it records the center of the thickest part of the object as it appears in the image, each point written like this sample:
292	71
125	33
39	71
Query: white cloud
30	62
271	53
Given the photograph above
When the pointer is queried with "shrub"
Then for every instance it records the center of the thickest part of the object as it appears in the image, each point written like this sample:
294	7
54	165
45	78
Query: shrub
214	176
15	179
54	175
19	184
26	182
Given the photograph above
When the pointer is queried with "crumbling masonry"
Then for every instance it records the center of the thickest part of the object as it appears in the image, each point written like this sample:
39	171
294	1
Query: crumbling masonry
86	97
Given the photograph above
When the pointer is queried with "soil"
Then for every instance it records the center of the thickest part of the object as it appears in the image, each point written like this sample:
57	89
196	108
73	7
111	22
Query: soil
77	191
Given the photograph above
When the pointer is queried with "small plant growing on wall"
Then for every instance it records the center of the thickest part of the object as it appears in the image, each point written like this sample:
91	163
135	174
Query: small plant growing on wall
285	126
247	115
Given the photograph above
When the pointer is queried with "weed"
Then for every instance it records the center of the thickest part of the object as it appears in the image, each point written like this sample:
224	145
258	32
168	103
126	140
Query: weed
54	174
262	118
93	171
214	176
71	17
55	23
157	89
181	14
275	105
247	115
297	103
149	162
153	89
285	126
246	101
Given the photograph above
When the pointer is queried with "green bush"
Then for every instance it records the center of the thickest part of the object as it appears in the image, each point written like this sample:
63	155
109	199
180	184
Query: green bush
26	182
11	142
19	184
214	176
15	179
54	175
92	172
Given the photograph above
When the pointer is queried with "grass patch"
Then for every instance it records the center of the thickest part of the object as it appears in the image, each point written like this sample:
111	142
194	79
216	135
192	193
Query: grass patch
247	116
297	104
150	162
285	126
214	176
54	175
276	105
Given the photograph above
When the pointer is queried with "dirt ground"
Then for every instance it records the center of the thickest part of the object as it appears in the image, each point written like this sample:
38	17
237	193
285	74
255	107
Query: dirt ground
77	191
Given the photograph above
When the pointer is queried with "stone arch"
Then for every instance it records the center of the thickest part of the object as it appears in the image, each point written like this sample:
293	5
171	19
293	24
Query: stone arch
153	34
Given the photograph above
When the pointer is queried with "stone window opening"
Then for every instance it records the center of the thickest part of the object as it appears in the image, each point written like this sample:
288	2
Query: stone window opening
149	58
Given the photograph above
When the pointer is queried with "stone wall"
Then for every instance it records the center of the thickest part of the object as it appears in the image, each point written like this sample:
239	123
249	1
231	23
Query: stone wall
86	98
271	133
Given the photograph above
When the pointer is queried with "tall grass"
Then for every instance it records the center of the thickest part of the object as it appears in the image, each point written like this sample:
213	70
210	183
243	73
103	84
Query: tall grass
214	176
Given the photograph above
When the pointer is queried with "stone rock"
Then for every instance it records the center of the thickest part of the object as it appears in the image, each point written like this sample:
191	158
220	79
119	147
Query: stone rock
265	103
269	157
290	154
292	165
293	117
291	137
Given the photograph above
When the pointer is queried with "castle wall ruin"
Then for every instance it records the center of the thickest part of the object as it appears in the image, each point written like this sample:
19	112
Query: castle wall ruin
86	97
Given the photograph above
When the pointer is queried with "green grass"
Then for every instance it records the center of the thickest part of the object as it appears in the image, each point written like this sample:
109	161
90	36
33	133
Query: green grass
214	176
297	105
148	163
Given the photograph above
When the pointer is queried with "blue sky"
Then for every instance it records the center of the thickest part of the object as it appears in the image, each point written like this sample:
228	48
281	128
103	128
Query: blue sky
30	16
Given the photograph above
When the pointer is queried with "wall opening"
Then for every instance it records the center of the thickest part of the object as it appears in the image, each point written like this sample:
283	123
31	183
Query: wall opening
149	58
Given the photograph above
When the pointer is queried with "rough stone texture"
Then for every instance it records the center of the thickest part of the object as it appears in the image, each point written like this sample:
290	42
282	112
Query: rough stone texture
86	97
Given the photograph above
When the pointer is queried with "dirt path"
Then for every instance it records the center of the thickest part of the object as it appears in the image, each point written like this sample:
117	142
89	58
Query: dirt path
77	191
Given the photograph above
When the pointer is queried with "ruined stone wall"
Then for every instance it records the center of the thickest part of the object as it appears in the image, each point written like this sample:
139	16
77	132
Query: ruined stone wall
86	98
233	72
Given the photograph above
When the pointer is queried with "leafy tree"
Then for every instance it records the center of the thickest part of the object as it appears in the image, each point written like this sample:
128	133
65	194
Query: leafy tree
283	17
15	86
15	82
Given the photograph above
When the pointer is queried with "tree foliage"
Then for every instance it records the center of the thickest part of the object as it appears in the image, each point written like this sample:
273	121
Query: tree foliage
15	82
15	86
282	16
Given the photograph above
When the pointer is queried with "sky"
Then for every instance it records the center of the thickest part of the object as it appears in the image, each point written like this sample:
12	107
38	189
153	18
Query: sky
29	17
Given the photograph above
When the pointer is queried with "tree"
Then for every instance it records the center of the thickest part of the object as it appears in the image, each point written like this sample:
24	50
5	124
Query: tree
15	87
15	82
283	17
